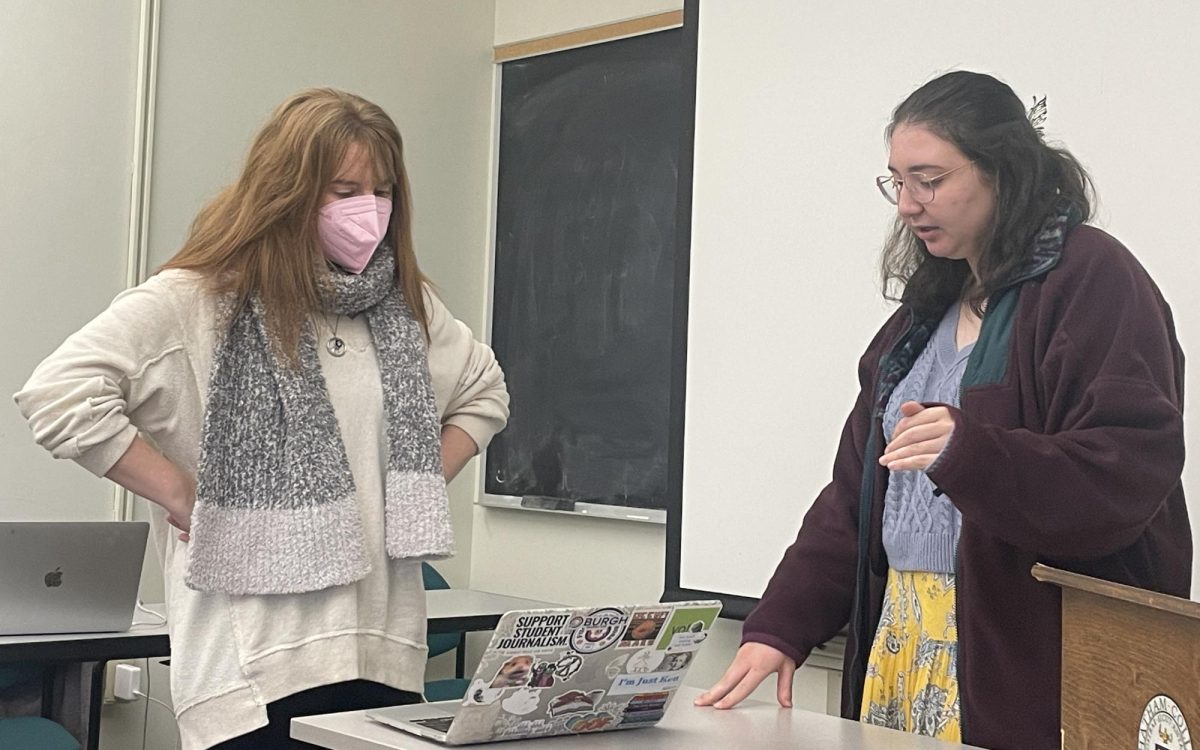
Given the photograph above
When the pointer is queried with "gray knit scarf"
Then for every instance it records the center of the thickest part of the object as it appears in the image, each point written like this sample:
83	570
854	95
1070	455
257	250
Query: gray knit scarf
276	508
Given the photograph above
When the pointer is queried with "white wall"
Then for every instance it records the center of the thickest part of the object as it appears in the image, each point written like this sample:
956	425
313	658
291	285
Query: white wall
66	144
574	560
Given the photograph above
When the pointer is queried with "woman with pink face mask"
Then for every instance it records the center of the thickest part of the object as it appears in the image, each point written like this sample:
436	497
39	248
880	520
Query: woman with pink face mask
292	398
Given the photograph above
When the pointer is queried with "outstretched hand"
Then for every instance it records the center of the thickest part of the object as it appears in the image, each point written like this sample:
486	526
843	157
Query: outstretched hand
753	664
919	437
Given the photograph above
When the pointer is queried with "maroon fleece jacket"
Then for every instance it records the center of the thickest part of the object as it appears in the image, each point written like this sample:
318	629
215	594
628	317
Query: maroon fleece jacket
1070	455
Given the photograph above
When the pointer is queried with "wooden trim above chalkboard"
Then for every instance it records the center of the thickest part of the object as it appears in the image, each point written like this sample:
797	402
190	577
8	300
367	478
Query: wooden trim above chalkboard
604	33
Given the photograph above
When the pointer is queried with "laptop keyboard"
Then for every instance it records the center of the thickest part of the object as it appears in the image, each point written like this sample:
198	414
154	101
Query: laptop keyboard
440	723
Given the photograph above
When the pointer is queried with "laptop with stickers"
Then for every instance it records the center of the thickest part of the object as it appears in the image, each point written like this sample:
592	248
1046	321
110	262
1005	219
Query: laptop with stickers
552	672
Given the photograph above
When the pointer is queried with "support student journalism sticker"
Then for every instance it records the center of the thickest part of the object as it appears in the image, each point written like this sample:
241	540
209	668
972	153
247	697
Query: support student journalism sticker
1163	727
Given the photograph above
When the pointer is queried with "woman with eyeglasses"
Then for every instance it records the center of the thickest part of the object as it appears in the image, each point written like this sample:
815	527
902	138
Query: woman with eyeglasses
1024	404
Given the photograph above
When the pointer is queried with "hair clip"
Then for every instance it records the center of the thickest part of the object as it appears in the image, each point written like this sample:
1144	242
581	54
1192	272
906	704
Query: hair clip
1037	115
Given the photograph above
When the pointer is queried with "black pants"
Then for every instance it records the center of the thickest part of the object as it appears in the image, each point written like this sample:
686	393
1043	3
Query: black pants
355	695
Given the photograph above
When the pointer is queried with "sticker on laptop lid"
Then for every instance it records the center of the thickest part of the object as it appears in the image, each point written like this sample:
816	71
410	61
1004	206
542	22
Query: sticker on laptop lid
644	627
521	702
574	701
515	672
482	694
616	666
537	633
644	708
568	665
598	630
593	722
644	661
626	684
673	661
543	674
688	628
515	727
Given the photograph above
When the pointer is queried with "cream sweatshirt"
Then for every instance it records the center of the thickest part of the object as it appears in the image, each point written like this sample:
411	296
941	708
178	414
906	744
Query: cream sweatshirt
142	367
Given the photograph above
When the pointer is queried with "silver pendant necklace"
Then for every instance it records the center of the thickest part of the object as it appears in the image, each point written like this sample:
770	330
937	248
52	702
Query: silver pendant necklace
334	344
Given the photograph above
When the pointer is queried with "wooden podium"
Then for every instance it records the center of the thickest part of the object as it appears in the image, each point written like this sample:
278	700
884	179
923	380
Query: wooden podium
1130	665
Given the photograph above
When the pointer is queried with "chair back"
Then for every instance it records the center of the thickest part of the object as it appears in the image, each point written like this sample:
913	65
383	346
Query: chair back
439	643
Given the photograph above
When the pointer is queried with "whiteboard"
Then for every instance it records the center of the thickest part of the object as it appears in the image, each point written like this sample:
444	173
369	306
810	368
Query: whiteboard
791	102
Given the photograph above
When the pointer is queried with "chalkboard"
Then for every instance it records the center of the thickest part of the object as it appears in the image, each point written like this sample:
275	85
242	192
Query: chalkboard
583	313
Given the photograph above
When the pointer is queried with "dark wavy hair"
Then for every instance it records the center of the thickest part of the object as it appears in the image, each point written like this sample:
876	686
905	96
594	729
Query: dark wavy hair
1031	179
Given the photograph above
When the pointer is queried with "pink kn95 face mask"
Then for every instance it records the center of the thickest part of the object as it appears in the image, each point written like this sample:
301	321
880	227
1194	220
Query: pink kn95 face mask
351	229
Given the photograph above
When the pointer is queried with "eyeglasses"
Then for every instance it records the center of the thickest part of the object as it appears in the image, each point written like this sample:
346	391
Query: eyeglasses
920	186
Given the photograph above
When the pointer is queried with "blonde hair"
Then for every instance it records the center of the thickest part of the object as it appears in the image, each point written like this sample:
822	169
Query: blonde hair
259	235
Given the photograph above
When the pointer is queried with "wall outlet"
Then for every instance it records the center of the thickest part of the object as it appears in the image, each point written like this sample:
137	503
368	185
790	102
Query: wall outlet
126	680
110	673
110	677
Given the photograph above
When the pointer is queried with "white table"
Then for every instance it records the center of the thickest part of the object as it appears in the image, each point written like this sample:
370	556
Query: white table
448	611
763	726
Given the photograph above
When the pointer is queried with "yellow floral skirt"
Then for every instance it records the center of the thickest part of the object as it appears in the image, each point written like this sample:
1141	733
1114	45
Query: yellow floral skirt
912	677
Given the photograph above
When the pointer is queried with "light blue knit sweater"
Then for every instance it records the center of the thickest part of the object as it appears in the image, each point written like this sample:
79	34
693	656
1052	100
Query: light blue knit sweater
920	530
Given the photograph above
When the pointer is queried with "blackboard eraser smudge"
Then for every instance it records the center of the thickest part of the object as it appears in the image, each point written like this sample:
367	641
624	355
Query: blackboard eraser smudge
540	502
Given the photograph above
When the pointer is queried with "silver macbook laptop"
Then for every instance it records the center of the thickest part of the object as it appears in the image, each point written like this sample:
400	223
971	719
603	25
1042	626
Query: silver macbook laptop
551	672
69	576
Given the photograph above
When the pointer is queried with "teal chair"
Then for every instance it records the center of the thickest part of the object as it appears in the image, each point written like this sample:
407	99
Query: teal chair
30	731
35	732
440	643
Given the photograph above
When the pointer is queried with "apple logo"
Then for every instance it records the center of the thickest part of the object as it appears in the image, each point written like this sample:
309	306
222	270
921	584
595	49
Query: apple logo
54	578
